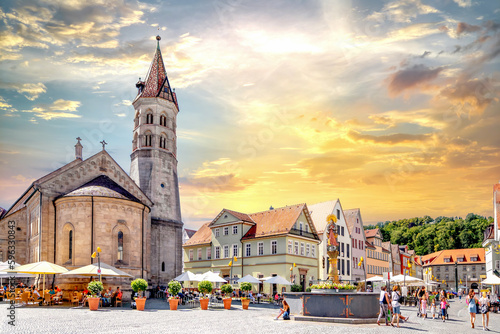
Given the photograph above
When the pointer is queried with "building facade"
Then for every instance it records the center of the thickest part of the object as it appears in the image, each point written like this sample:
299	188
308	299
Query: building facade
319	212
280	242
377	257
358	240
491	241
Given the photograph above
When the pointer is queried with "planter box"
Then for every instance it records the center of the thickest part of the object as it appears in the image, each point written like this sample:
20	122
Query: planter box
173	302
93	303
140	303
204	303
227	303
332	291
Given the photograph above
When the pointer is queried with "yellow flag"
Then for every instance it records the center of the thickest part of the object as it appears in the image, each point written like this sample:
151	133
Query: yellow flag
93	255
294	265
230	263
98	249
235	259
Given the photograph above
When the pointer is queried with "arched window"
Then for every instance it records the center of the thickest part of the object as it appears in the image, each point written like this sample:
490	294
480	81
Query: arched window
163	120
136	120
148	137
163	141
120	246
134	142
163	266
70	248
149	118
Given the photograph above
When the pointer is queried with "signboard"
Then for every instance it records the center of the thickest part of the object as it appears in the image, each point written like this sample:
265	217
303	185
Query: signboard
387	275
98	271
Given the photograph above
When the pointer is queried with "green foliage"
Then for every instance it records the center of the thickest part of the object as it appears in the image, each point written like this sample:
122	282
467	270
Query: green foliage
95	288
139	285
226	289
205	287
173	288
245	286
425	235
308	289
339	286
296	288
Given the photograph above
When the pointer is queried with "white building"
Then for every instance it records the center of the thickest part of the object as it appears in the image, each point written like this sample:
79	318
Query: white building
491	241
319	212
358	240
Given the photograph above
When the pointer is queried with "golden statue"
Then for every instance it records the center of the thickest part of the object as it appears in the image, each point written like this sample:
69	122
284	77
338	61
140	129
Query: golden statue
332	248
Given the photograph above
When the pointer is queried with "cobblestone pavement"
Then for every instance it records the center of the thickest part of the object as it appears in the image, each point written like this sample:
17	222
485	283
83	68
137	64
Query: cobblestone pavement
258	319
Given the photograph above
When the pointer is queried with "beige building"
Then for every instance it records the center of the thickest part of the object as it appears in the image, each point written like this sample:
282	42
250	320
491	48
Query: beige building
88	203
377	257
264	244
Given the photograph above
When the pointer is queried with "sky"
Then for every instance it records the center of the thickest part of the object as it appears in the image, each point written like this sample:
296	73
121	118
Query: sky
390	106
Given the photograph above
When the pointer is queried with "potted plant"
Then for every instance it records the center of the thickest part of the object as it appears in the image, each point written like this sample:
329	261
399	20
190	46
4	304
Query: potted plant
139	285
95	288
173	289
227	290
296	288
244	300
205	288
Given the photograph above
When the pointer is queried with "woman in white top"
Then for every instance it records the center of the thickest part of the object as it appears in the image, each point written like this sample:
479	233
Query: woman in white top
484	307
396	306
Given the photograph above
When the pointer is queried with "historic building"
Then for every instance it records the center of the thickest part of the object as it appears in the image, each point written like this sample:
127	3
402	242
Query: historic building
358	240
65	215
377	257
491	241
319	212
469	263
280	241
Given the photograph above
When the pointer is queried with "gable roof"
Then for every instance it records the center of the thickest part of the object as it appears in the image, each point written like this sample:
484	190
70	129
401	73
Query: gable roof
319	212
202	236
102	186
277	221
395	253
369	245
350	218
371	233
238	215
189	232
454	254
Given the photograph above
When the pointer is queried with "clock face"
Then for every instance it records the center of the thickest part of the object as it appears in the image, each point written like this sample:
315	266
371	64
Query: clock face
332	248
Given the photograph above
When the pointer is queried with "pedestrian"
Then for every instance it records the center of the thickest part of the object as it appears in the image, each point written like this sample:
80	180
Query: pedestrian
433	307
471	302
384	305
423	302
484	308
285	310
417	296
444	305
460	295
396	306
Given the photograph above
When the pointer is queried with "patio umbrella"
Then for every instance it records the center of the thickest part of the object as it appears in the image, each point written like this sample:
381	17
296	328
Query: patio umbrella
187	276
211	277
91	270
248	279
42	267
6	273
402	278
277	280
491	280
375	279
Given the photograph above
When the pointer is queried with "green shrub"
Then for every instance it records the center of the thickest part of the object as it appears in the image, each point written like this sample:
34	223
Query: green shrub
139	285
95	288
308	289
296	288
226	289
173	288
245	286
205	287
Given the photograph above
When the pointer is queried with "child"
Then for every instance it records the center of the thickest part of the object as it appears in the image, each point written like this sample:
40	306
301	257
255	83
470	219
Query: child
444	303
424	307
433	308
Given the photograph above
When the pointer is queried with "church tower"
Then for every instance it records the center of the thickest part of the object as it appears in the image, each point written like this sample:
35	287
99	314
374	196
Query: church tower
154	167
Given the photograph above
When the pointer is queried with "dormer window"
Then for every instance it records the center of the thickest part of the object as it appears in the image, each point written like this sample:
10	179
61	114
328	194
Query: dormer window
474	258
460	258
447	259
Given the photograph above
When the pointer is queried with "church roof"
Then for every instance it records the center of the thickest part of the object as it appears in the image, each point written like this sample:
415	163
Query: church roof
102	186
156	83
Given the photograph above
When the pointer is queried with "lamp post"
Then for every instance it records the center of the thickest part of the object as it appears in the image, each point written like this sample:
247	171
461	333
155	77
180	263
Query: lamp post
456	276
98	262
291	272
235	259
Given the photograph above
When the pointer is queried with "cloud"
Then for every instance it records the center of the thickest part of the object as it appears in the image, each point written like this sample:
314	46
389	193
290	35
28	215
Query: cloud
392	139
219	183
463	3
31	90
412	77
463	27
3	104
476	94
403	11
59	109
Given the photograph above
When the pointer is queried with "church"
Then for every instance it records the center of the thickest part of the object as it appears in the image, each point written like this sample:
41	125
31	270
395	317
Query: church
134	218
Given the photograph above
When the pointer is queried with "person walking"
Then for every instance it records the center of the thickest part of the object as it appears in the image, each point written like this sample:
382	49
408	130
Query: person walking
433	307
423	302
384	302
484	308
471	302
460	295
444	305
417	295
396	306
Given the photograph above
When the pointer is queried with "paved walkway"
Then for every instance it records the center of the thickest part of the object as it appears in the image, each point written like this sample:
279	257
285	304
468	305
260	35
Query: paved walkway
258	319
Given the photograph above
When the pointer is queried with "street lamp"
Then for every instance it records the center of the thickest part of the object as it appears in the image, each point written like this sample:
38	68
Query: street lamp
231	266
98	262
456	276
291	272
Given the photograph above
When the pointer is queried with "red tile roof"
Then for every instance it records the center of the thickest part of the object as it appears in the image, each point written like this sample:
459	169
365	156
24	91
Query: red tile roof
437	258
369	245
371	233
202	236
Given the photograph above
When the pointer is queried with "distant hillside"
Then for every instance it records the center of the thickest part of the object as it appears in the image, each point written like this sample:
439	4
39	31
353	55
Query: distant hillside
426	235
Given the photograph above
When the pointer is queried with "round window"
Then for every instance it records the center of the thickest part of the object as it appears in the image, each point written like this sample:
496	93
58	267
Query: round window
163	185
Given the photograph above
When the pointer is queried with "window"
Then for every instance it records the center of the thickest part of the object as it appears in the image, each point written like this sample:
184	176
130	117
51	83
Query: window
296	250
120	246
148	137
446	277
308	250
348	267
338	214
342	248
290	246
235	229
307	228
226	230
360	244
300	227
163	120
235	250
209	253
302	249
217	252
438	269
473	268
163	141
342	229
446	260
191	255
347	246
260	247
199	254
446	269
149	119
343	268
313	250
248	250
226	251
70	245
163	266
274	247
216	232
353	242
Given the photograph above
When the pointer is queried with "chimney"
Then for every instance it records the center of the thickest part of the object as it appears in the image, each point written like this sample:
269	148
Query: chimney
78	149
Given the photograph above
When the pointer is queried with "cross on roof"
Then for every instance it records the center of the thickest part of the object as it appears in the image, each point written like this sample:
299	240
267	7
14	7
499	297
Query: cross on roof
103	142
